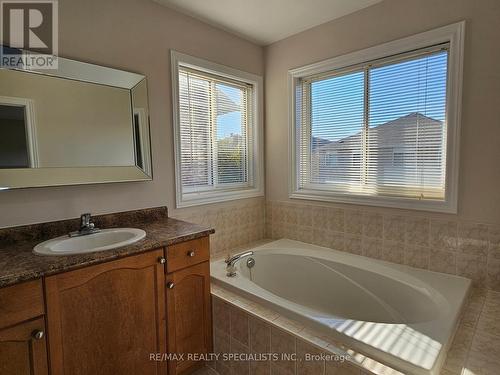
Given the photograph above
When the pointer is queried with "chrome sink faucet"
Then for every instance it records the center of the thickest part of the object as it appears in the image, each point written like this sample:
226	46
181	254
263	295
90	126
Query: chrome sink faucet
232	260
86	226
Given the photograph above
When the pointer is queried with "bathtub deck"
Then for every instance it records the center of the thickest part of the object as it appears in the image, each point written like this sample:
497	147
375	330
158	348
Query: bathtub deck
468	353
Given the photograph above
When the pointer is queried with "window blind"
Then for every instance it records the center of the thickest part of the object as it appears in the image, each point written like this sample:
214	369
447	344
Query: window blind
376	129
215	140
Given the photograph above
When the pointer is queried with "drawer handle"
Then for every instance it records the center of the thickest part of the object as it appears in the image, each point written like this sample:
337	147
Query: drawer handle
162	260
170	285
38	334
191	253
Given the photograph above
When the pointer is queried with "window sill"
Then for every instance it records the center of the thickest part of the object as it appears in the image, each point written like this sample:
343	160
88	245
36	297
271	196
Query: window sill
209	197
446	206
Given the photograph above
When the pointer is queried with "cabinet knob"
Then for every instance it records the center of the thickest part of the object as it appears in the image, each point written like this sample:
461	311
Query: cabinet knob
162	260
170	285
191	253
37	334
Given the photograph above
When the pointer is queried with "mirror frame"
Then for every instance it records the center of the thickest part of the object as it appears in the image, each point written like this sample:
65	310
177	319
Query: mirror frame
16	178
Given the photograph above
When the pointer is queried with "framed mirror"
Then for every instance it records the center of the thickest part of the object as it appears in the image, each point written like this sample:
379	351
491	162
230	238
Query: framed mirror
79	124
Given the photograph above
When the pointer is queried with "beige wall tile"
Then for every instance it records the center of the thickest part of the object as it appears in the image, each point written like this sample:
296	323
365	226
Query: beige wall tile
493	274
353	221
304	216
222	344
472	267
239	325
473	238
337	241
393	251
492	303
290	214
372	225
260	336
307	364
394	228
320	217
336	219
221	315
494	239
278	370
260	368
222	368
283	343
457	355
444	234
416	256
417	231
352	244
321	237
242	365
484	356
443	261
372	247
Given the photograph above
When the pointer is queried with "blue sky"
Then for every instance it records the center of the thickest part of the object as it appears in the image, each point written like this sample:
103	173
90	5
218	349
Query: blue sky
229	123
396	90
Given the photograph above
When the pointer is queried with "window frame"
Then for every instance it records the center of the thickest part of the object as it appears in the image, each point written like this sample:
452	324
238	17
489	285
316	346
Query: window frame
452	34
189	196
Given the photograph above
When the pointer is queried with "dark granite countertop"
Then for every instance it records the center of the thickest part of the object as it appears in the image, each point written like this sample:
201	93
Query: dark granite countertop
18	262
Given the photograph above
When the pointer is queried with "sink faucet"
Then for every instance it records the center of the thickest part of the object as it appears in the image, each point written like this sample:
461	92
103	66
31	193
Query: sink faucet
86	226
231	262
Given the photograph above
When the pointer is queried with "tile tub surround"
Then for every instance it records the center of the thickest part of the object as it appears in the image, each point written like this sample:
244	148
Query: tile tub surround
236	223
241	325
18	263
420	240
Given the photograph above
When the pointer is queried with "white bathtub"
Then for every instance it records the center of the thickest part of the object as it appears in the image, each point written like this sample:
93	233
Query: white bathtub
401	316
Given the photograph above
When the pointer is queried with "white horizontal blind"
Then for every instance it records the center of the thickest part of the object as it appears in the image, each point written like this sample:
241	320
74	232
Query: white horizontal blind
376	129
215	141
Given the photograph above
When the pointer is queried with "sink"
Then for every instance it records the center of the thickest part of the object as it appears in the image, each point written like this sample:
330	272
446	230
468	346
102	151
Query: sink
103	240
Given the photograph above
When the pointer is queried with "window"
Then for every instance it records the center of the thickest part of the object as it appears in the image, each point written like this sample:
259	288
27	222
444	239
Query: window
379	126
217	132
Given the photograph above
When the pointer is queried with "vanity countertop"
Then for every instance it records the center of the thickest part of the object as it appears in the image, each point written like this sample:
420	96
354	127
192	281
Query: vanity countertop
18	262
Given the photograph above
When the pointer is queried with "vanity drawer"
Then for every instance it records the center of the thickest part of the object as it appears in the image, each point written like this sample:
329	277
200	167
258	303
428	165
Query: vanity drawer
187	253
21	302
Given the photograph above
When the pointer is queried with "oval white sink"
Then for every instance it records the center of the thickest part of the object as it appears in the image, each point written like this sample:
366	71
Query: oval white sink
104	240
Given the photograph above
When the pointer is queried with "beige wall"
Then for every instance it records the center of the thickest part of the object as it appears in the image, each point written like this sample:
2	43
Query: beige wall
134	35
479	192
78	124
137	36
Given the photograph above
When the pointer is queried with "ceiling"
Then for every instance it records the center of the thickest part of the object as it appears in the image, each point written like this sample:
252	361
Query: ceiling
266	21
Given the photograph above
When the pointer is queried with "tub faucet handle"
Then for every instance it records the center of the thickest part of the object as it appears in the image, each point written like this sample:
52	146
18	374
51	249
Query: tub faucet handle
232	260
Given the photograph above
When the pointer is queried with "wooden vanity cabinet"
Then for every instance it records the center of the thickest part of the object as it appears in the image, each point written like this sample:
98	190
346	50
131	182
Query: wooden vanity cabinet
111	318
22	330
108	318
189	318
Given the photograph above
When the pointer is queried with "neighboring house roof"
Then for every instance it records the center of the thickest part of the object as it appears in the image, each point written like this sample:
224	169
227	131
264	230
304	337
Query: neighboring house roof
394	133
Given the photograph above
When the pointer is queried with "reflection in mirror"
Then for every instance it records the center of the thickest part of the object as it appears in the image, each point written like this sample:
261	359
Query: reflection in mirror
85	124
141	127
15	147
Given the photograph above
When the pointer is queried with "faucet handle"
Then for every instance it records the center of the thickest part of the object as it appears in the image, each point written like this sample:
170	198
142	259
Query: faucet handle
86	220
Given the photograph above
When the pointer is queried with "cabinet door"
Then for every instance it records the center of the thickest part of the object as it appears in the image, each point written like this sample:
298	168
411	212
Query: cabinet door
108	318
23	349
189	320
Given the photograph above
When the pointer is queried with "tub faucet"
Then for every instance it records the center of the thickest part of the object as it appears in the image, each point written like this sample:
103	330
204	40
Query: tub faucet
232	260
86	226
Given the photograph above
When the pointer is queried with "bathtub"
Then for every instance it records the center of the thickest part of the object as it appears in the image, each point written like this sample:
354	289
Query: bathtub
401	316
